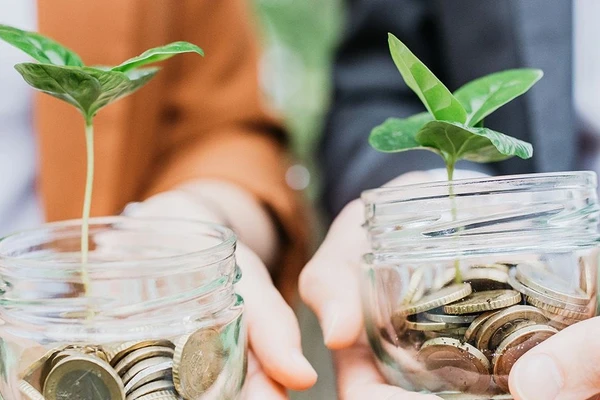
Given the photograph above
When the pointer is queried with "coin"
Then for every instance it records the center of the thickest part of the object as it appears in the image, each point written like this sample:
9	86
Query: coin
159	371
116	352
162	395
438	315
416	287
83	377
142	354
151	387
36	372
496	327
486	278
142	365
558	321
460	365
29	391
540	297
514	346
547	283
429	325
198	361
562	311
476	325
444	296
484	301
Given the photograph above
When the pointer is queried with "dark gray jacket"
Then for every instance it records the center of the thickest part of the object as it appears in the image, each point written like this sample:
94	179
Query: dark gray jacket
459	40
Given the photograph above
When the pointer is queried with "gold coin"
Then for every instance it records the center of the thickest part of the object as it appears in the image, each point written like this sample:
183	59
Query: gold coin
429	325
35	374
143	365
547	283
484	301
540	297
562	311
198	361
162	395
486	278
438	315
162	370
416	287
476	325
442	297
152	387
514	346
461	366
496	327
140	355
83	377
29	391
116	352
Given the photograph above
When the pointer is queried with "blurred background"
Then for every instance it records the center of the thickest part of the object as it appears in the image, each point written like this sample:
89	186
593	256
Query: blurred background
298	42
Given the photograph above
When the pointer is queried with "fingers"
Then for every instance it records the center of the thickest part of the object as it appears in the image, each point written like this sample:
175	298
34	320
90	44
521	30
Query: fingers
273	330
259	386
563	367
329	282
358	378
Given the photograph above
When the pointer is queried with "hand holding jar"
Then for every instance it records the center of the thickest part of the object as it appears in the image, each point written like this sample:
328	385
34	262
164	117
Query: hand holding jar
455	289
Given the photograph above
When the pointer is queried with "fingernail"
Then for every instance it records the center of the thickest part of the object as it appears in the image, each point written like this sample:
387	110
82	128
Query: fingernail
302	362
536	377
330	319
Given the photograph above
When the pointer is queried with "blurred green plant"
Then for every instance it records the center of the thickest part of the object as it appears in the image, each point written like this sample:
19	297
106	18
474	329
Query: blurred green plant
299	38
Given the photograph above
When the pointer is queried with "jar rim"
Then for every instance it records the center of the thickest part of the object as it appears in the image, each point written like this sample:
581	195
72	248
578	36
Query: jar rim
554	179
225	247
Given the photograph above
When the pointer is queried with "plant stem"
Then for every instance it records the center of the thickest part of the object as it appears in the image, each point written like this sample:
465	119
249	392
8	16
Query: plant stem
87	203
453	210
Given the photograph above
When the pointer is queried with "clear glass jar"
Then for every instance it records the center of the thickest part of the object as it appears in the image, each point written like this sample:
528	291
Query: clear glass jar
457	288
159	318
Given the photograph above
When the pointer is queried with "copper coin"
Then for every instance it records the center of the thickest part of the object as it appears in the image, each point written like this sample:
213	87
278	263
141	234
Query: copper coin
476	325
498	325
461	366
514	346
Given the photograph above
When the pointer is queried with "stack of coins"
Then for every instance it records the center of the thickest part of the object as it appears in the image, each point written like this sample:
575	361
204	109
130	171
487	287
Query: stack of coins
472	333
143	370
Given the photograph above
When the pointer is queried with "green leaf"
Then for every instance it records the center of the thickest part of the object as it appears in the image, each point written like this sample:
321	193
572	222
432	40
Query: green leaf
115	85
71	84
158	54
485	95
397	134
89	89
39	47
435	96
457	141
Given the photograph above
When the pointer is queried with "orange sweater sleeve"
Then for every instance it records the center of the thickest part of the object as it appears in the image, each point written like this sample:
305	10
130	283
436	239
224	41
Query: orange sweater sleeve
218	128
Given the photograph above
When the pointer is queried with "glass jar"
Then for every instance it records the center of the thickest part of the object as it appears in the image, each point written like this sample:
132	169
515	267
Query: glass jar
458	287
153	315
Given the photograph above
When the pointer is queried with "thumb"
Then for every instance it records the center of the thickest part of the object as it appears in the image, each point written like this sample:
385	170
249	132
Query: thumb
563	367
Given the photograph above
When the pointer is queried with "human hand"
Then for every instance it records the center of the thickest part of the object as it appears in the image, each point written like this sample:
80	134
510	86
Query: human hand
329	285
563	367
275	360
